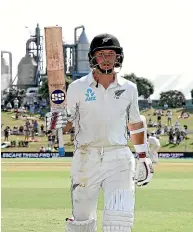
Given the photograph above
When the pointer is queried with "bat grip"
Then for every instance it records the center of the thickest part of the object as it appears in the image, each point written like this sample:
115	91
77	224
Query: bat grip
61	143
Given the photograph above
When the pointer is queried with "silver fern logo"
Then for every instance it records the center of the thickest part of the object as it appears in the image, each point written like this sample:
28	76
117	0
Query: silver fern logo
118	93
106	39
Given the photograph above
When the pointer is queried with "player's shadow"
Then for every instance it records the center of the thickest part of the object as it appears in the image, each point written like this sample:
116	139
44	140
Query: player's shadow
170	145
166	145
174	145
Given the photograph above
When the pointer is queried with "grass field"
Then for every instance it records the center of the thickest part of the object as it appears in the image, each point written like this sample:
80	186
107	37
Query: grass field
186	145
36	197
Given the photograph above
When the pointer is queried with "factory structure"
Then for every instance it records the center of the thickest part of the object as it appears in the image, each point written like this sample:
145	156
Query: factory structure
30	67
76	55
31	70
6	70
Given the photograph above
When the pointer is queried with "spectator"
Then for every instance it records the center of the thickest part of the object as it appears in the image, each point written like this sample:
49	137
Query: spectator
16	115
15	130
9	106
171	135
48	149
150	123
159	117
177	125
150	103
42	149
165	106
49	138
26	133
32	133
6	133
35	125
184	115
186	128
42	129
2	104
27	123
31	110
16	104
178	136
166	130
169	116
21	129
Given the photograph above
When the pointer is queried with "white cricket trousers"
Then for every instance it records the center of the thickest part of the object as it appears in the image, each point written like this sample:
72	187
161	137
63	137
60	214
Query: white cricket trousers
154	156
109	168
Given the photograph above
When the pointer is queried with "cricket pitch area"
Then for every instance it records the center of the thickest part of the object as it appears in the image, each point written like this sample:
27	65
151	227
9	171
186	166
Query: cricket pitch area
36	196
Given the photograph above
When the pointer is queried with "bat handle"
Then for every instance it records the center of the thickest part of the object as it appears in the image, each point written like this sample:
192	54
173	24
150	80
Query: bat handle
61	143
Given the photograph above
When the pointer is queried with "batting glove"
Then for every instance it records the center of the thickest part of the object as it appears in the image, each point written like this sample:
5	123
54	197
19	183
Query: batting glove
144	170
56	120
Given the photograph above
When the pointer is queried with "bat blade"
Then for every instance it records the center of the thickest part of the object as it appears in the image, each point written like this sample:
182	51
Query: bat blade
56	77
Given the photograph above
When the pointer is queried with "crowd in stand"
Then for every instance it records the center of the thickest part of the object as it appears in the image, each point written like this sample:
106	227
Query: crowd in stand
176	133
31	129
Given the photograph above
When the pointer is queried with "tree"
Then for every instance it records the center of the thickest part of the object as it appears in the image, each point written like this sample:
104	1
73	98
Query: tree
173	98
131	77
191	93
43	90
145	87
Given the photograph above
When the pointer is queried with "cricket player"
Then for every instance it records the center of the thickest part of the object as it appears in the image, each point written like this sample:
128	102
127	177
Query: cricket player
154	145
101	107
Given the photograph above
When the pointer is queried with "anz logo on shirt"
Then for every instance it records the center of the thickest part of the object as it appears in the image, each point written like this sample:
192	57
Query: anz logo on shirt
90	95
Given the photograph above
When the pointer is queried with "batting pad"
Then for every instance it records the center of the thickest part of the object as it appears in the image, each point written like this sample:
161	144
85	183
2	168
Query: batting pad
81	226
116	229
119	211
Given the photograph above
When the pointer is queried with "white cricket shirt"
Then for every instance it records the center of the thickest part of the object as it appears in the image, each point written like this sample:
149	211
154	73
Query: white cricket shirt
100	115
154	143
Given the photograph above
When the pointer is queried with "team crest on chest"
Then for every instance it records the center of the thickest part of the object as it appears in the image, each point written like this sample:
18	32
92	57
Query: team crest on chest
90	95
118	93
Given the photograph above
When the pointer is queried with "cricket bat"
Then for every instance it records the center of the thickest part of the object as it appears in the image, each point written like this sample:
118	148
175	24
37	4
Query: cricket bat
56	75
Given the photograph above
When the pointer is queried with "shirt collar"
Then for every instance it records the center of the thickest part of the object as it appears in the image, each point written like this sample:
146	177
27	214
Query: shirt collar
91	80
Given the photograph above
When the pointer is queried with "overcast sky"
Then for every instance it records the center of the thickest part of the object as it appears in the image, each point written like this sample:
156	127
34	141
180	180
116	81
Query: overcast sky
156	35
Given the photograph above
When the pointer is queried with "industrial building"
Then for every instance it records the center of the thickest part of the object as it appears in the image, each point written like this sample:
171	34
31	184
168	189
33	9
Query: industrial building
31	70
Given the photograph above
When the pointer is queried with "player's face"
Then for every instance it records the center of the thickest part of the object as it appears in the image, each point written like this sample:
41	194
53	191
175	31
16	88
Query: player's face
105	59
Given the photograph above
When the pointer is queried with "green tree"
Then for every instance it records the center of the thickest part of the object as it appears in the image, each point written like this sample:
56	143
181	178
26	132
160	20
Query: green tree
43	89
145	87
191	93
131	77
173	98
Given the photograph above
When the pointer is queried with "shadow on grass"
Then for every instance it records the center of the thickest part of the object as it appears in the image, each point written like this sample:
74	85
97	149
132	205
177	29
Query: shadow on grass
166	145
169	145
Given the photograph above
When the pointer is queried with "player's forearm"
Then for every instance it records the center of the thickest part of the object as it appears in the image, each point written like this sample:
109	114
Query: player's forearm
137	132
137	137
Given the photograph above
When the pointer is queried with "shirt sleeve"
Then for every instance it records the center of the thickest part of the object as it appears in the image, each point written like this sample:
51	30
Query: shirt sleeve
134	114
72	103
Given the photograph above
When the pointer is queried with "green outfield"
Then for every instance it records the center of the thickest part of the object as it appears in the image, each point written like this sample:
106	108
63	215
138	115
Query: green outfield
36	197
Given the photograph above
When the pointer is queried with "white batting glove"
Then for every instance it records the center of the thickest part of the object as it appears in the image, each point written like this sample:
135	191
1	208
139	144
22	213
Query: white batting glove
56	120
144	170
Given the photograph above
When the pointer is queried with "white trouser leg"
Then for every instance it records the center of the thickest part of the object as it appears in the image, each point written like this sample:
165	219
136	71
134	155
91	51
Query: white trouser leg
84	192
119	200
154	156
84	201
